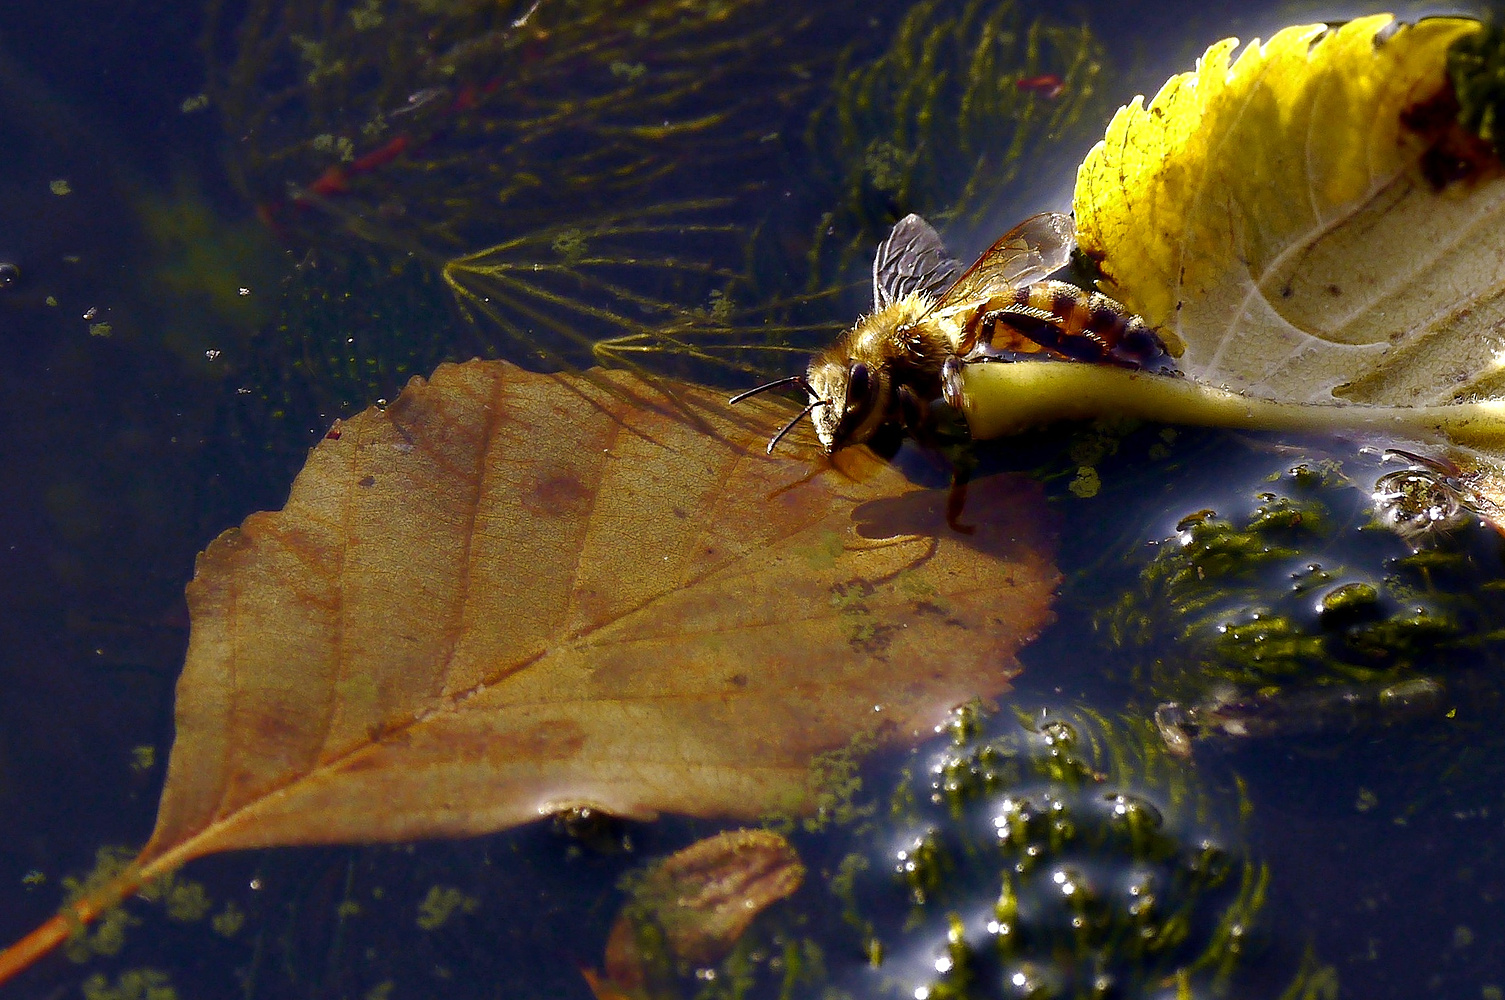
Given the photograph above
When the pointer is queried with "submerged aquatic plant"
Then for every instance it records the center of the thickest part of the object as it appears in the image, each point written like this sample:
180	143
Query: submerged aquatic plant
442	125
948	122
1060	854
1303	611
581	286
598	180
567	169
1061	858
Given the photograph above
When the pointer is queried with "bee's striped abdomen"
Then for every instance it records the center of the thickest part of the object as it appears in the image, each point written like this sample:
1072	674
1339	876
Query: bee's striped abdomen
1083	326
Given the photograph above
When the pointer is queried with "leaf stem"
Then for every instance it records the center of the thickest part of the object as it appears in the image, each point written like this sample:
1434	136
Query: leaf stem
1001	399
86	909
81	912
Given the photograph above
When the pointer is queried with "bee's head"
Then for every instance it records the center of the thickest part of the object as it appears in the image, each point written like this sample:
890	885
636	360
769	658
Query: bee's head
852	398
849	400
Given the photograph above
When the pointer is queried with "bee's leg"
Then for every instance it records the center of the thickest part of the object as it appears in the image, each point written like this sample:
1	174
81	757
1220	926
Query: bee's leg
1019	315
951	382
951	372
956	499
913	411
963	460
1020	331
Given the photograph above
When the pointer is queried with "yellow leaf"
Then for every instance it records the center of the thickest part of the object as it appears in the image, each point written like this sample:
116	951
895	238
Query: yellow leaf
1319	238
508	594
1273	214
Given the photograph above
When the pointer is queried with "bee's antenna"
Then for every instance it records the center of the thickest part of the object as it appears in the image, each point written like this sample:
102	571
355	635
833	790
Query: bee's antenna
798	417
798	380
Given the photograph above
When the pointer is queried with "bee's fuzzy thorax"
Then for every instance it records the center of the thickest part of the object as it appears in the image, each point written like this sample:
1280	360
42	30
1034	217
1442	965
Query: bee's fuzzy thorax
900	332
901	343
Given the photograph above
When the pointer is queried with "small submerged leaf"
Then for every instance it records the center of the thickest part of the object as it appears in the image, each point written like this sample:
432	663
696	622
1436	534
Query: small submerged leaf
510	594
693	906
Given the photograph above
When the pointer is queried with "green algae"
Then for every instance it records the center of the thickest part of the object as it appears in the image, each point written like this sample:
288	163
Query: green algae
947	122
1044	854
107	935
1026	824
211	275
228	922
836	793
1304	612
1476	70
332	349
442	903
132	984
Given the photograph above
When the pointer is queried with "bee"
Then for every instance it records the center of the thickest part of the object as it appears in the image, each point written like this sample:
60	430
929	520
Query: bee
930	317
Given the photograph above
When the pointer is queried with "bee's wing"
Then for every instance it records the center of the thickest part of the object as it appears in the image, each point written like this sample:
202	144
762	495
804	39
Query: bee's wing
1022	256
912	259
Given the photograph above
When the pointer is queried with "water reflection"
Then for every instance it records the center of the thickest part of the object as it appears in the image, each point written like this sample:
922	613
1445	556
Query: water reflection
126	453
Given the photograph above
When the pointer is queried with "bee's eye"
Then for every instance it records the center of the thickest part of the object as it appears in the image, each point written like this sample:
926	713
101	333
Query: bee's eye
859	384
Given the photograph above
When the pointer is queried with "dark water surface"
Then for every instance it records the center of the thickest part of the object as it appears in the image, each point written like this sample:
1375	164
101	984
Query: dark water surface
169	361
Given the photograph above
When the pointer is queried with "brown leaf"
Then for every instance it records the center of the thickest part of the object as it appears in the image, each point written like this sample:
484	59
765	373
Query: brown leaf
507	594
694	905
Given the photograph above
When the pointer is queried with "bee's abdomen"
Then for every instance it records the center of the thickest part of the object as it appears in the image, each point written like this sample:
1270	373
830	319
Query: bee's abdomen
1089	326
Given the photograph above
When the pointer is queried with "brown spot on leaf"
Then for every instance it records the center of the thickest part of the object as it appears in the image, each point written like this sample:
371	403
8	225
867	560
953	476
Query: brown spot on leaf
1454	154
556	493
1432	116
